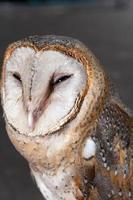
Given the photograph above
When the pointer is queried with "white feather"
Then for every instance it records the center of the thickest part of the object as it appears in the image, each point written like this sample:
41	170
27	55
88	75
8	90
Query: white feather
89	149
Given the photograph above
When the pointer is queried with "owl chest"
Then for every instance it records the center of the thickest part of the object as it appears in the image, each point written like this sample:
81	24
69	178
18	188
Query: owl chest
59	187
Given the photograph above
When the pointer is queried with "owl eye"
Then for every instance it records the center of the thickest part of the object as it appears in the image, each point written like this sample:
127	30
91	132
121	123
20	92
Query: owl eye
61	79
17	77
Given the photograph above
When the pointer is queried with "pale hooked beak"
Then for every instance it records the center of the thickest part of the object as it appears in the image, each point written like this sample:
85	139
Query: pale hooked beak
30	117
33	114
31	121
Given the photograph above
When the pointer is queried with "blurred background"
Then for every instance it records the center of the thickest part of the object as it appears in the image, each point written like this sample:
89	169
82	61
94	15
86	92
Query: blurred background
105	26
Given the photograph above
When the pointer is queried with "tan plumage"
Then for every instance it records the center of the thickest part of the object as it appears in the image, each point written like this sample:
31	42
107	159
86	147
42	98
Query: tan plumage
79	143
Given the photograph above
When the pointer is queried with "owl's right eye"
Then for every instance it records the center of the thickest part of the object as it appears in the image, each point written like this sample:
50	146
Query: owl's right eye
61	78
17	77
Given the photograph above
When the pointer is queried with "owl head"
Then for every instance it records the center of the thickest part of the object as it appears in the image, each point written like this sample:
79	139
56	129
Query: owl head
50	84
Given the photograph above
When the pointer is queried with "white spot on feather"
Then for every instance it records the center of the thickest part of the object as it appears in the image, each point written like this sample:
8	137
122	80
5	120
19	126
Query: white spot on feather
89	149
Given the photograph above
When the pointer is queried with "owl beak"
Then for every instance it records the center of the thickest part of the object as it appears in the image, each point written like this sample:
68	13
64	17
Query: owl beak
33	114
31	121
30	116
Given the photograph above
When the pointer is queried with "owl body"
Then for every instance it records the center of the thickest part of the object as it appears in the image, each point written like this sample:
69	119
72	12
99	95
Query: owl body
65	117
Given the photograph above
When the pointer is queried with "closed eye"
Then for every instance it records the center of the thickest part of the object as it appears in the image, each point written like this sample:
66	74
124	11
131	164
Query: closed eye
17	77
61	79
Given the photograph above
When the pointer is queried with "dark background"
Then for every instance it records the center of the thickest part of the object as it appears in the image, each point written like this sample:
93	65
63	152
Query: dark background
106	27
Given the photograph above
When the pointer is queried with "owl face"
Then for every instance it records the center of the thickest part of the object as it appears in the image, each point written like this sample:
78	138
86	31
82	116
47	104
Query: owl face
41	89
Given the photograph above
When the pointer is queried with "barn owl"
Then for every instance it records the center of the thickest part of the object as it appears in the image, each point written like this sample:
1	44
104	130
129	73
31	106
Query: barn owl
66	119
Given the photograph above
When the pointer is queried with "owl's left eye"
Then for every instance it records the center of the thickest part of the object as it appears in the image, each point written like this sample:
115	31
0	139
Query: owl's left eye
17	77
61	79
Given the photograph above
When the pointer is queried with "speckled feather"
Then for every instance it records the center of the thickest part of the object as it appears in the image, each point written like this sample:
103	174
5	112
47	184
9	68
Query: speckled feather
101	116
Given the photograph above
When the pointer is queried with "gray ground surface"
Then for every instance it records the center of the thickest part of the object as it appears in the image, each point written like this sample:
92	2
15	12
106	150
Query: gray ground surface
109	34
